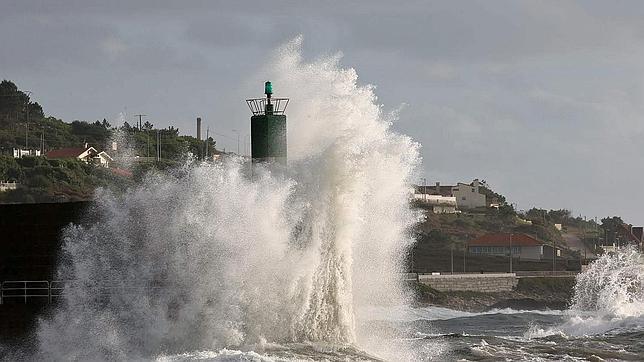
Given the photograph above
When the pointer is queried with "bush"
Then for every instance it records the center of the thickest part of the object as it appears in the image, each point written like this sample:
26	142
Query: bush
39	181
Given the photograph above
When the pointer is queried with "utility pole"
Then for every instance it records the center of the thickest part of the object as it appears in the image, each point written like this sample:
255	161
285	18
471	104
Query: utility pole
425	188
140	119
27	116
236	131
42	142
207	136
464	255
510	252
554	257
452	256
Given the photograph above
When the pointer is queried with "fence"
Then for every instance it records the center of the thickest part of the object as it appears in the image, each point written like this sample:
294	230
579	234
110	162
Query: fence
528	273
27	291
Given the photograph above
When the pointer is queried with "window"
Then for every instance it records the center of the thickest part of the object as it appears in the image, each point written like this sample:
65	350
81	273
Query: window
472	190
463	198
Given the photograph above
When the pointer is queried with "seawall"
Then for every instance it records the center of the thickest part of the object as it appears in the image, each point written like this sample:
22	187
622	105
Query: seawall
528	293
482	283
30	237
30	244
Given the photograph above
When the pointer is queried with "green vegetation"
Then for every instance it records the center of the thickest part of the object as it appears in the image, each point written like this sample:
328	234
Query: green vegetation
457	229
23	124
43	180
442	238
143	142
546	285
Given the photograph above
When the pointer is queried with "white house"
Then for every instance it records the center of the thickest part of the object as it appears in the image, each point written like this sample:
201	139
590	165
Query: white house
86	154
440	204
103	159
468	195
6	186
19	152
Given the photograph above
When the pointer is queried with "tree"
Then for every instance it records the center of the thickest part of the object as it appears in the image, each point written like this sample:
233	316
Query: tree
611	227
126	126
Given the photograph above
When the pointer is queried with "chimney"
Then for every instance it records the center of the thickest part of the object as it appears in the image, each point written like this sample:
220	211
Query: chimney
438	187
199	128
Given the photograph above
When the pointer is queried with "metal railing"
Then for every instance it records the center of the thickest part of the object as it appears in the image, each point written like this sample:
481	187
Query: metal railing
25	290
519	273
258	105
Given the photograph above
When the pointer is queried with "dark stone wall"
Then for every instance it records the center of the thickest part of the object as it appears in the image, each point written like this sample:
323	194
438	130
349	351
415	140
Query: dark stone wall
30	242
30	237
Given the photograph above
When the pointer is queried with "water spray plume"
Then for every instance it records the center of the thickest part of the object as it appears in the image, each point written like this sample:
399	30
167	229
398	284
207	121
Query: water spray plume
206	259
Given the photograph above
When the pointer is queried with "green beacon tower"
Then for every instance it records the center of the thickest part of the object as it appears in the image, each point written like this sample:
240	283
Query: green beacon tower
268	127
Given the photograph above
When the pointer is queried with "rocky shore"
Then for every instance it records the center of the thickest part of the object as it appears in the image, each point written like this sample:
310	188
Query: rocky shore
538	293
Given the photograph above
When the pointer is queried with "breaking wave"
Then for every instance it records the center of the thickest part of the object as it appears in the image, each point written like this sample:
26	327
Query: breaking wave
608	298
209	259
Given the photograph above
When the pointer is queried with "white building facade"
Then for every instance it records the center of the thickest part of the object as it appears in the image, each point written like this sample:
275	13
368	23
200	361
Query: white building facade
468	196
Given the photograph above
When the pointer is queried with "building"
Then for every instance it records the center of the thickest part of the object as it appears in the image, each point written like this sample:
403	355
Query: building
523	246
439	204
438	189
625	235
468	195
86	154
20	153
6	186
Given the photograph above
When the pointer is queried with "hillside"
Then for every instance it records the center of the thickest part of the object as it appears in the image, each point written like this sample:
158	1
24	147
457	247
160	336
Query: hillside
44	180
24	125
442	239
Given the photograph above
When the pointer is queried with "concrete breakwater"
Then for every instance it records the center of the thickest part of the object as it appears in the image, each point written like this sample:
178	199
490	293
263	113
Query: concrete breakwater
482	292
483	283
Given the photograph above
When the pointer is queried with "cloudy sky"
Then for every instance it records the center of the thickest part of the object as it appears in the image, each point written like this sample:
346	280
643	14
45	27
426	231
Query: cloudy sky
543	99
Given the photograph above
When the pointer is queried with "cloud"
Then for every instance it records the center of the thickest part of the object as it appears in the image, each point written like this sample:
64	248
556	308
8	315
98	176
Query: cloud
541	98
113	47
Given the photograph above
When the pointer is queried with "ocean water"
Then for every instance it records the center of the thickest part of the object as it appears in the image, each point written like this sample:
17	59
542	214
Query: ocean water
303	263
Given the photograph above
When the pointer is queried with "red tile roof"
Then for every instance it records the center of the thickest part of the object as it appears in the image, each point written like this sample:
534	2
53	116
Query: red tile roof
503	239
71	152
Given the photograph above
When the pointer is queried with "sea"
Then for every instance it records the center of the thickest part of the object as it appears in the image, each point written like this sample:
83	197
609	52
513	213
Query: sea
230	261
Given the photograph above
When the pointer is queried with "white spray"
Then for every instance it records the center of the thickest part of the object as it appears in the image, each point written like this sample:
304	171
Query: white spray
608	296
206	259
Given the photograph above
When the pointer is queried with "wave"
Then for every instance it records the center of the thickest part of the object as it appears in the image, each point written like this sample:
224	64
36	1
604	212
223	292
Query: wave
209	259
608	298
276	352
406	313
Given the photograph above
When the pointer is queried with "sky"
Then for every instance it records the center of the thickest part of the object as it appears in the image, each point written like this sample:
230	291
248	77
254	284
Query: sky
542	99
